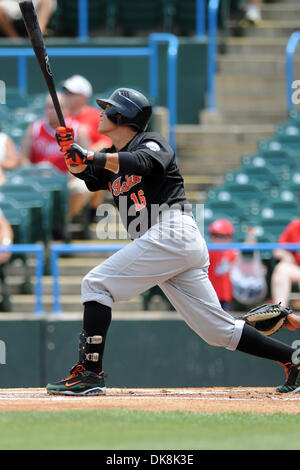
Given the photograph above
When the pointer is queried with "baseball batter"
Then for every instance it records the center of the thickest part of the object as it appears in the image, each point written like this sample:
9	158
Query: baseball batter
167	248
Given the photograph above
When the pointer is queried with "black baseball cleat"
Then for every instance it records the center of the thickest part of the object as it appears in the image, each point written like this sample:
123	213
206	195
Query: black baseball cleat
292	383
80	382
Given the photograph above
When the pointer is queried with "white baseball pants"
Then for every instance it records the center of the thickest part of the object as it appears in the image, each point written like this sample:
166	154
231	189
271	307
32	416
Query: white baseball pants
173	255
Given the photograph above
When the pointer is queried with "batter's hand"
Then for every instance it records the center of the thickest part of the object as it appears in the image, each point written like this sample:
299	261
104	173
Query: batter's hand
77	155
64	137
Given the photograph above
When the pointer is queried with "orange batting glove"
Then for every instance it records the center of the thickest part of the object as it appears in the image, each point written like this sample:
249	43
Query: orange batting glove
64	137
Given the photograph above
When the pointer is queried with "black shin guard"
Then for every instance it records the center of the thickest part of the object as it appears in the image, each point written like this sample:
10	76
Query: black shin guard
96	321
255	343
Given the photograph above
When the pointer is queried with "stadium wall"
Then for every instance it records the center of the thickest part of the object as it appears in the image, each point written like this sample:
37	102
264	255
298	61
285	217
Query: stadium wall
139	353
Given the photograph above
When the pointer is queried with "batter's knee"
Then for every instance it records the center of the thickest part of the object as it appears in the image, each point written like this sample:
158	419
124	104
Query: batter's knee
92	288
226	336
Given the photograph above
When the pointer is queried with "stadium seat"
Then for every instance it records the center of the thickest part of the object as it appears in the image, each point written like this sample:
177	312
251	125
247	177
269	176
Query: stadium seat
245	194
294	117
151	295
274	144
54	182
38	201
185	17
65	20
255	173
134	17
279	157
280	209
223	209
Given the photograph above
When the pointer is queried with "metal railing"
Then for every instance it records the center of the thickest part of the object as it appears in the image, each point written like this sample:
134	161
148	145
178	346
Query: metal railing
38	251
56	250
289	67
213	8
22	54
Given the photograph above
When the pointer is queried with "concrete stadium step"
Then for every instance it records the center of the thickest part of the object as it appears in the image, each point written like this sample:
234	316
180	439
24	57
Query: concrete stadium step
214	149
262	65
260	115
192	136
272	28
244	86
250	101
280	11
253	45
69	303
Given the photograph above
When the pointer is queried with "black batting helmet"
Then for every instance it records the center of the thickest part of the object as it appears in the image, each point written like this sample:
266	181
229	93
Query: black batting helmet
128	108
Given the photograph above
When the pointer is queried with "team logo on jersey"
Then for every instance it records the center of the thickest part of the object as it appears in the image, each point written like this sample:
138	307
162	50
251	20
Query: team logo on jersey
153	146
117	187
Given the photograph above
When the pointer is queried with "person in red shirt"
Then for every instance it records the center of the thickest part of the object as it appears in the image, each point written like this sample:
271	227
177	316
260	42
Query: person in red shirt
222	231
78	91
287	271
40	145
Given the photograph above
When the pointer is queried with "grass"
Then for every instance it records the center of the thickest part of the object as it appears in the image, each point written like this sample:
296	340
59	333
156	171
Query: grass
132	430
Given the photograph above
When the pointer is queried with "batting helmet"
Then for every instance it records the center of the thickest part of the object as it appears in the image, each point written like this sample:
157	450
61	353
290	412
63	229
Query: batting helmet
127	108
221	227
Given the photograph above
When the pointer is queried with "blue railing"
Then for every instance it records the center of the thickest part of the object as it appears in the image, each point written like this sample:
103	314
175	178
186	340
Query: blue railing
38	251
56	250
200	18
289	67
151	52
213	8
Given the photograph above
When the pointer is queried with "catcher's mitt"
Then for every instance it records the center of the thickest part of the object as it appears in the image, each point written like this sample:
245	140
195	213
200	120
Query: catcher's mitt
267	318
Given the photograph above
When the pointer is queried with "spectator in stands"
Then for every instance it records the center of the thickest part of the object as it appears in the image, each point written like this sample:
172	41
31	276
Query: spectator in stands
253	11
40	145
287	271
6	237
221	231
11	23
9	156
78	91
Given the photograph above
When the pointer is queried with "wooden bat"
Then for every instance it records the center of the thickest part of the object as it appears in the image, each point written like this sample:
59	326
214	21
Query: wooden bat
36	37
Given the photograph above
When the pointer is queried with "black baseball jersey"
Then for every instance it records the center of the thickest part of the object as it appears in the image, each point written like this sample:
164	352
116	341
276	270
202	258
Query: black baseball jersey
155	185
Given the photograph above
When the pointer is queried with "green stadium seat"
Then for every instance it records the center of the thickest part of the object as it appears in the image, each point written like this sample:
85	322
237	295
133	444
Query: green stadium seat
245	194
38	201
54	182
134	17
185	17
279	157
151	295
65	19
255	173
224	209
294	117
280	209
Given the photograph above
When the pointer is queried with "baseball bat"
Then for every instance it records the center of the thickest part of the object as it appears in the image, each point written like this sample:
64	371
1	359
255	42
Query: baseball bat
36	37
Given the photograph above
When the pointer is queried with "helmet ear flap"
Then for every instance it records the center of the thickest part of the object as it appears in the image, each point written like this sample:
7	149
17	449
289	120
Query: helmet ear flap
119	118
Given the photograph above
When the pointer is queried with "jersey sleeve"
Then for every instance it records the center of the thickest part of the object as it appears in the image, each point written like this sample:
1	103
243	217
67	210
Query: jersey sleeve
157	149
94	179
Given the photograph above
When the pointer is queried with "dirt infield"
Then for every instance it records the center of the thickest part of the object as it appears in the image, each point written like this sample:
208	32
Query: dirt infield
202	400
